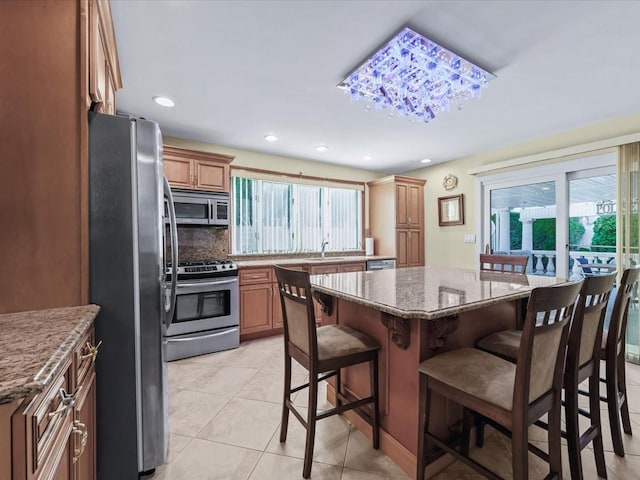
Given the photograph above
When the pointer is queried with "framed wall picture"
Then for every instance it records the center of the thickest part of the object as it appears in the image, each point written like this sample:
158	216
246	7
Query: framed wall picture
450	210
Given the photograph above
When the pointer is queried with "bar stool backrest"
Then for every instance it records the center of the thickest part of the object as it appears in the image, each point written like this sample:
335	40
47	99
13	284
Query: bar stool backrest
585	335
618	324
544	339
504	263
297	314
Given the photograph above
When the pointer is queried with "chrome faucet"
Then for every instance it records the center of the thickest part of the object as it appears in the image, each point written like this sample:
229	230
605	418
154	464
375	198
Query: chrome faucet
322	247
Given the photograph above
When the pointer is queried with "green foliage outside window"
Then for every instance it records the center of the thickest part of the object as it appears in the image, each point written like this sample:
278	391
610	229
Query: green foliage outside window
604	234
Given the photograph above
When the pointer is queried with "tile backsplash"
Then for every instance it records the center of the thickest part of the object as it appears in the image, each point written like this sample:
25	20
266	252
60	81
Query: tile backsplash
199	243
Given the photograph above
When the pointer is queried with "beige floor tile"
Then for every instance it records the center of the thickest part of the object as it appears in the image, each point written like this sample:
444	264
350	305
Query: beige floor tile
362	456
249	357
182	373
177	443
216	358
279	467
244	423
275	343
350	474
268	386
632	373
633	391
459	471
226	381
190	411
276	363
627	468
331	439
205	460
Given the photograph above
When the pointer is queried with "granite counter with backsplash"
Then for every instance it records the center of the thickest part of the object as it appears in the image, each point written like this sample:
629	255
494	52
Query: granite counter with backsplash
36	344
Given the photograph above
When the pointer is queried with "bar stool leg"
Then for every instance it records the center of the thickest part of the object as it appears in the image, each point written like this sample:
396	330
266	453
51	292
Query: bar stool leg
373	372
555	434
622	388
338	390
613	405
423	425
594	410
286	397
311	424
573	432
467	418
519	448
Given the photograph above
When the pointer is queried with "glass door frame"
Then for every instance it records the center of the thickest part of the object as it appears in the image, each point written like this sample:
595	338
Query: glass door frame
560	173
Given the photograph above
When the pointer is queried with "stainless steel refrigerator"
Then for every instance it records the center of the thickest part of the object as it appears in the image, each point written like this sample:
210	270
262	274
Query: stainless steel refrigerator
127	194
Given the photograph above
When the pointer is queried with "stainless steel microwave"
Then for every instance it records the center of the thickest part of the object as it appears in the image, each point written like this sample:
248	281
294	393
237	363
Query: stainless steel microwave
201	208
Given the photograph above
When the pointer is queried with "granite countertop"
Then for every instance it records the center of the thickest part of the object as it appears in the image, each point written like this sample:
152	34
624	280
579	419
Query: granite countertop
313	260
35	346
428	292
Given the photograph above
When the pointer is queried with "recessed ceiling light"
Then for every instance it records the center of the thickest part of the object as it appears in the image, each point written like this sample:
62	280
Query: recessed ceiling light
367	157
270	138
321	148
164	101
425	160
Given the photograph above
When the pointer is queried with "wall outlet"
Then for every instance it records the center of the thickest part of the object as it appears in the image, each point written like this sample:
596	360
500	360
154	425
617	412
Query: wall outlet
469	238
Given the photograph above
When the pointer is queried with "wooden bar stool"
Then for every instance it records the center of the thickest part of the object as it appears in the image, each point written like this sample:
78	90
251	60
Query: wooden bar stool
582	362
613	350
511	397
321	350
504	263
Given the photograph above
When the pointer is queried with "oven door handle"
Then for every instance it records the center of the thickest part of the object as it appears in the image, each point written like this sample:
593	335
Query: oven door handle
198	336
207	284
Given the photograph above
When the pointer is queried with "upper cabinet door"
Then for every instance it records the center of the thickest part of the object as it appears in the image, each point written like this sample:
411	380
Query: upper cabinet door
415	205
212	176
179	171
402	211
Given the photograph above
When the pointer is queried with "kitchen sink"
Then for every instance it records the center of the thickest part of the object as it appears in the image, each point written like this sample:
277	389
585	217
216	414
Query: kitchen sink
325	259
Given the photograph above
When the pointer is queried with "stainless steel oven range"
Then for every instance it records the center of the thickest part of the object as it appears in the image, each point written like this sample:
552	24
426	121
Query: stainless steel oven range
206	315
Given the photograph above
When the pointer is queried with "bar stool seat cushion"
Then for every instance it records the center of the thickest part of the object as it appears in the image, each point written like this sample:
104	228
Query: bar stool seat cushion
505	343
336	341
478	376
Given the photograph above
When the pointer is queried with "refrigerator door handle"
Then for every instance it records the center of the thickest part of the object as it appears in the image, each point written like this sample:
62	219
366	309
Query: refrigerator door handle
170	303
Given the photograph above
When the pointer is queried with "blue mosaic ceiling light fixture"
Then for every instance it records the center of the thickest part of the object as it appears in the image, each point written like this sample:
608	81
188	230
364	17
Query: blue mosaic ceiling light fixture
414	76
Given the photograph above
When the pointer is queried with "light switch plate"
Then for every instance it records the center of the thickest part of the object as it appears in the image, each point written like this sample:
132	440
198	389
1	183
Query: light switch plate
469	238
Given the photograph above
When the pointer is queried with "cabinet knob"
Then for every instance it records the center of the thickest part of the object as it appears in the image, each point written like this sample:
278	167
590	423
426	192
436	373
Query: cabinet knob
92	351
67	402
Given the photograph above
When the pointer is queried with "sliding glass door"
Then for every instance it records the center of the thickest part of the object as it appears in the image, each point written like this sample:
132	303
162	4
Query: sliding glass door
551	214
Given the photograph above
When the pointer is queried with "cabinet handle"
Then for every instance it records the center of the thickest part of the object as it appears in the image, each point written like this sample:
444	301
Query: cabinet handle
67	402
80	428
92	351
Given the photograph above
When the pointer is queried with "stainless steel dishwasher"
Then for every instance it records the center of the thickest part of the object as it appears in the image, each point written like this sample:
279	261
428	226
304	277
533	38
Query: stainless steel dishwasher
382	264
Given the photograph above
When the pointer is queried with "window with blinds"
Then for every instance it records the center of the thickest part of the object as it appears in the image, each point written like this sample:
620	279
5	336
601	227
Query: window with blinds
280	217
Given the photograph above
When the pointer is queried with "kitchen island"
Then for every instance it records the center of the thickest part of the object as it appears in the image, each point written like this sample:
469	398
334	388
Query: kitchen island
415	313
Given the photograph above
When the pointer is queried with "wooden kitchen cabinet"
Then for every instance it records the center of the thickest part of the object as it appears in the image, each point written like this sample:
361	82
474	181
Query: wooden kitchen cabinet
196	170
58	57
104	68
352	267
256	306
54	439
396	206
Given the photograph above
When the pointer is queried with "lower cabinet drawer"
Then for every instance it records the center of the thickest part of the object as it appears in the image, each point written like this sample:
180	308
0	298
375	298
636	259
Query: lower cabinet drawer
41	423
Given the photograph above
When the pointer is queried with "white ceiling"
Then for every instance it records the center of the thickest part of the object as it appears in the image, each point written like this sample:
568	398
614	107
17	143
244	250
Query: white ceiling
239	70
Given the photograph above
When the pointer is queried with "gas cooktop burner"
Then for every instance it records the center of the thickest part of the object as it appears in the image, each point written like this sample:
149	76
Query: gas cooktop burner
204	269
